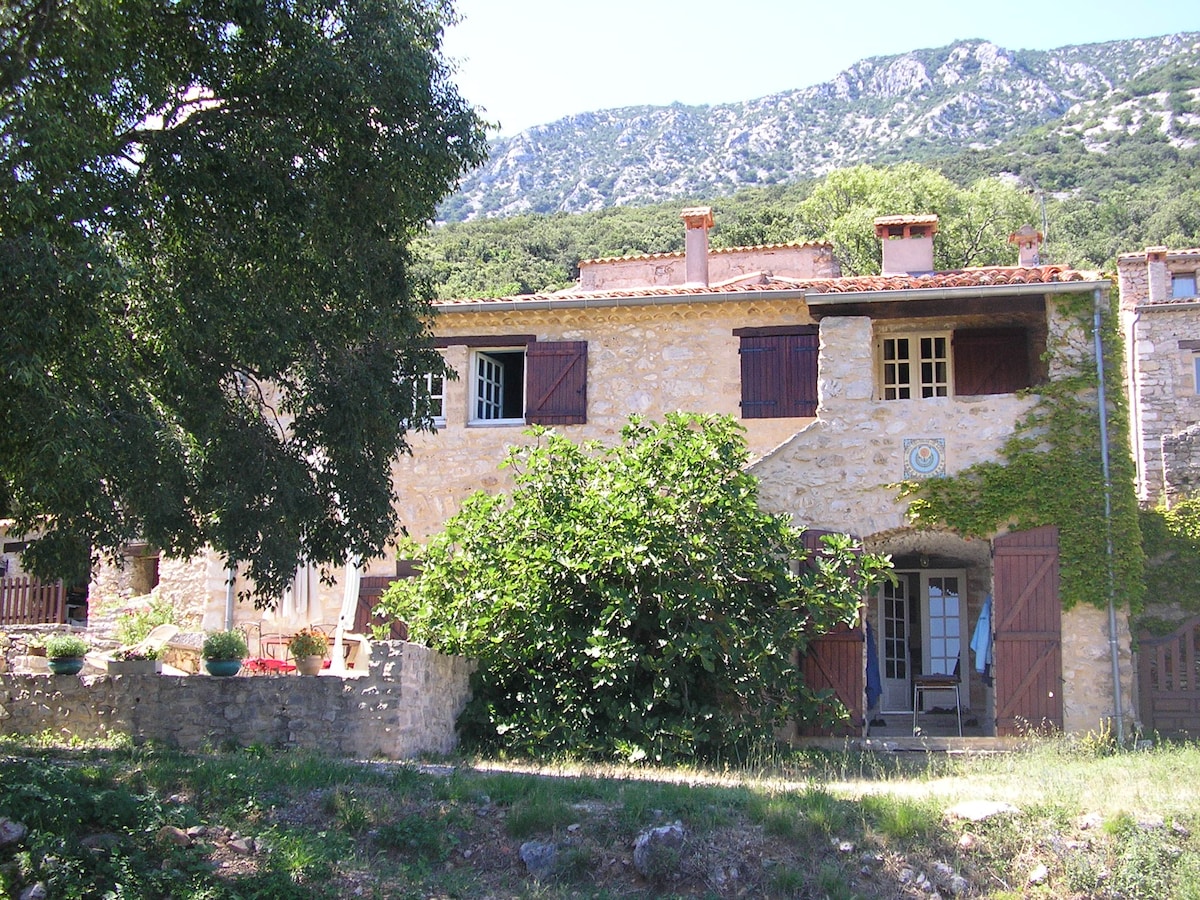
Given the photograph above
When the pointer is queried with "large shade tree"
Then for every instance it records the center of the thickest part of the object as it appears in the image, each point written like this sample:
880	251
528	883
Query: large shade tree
208	332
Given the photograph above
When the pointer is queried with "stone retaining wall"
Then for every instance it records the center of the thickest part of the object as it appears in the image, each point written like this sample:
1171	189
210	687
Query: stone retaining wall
405	705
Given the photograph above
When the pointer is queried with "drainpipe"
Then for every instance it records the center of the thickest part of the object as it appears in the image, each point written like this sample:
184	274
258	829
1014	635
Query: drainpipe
1113	648
230	575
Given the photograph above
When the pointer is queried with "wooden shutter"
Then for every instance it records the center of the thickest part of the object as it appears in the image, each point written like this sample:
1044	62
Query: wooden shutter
991	361
556	383
835	662
370	589
779	375
1027	624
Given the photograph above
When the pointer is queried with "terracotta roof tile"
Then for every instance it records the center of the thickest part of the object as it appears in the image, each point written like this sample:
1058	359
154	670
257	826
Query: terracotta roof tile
714	251
963	278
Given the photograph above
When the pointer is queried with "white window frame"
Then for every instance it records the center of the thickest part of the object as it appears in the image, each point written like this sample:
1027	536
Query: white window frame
910	366
1196	373
488	387
436	386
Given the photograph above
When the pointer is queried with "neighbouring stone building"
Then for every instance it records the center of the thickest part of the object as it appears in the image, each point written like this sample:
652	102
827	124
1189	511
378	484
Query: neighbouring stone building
846	386
1160	319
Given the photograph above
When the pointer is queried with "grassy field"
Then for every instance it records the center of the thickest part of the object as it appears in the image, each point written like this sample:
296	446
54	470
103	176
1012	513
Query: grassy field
1086	821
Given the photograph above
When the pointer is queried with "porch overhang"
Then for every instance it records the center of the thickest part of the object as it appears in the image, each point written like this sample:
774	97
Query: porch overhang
944	301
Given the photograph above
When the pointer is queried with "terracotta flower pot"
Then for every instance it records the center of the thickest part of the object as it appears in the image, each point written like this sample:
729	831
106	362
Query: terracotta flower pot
309	665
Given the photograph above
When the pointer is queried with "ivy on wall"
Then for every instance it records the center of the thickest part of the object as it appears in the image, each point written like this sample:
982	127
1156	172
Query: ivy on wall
1171	538
1050	471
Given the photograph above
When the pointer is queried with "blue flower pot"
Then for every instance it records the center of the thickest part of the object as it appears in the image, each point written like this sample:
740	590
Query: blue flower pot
222	667
65	665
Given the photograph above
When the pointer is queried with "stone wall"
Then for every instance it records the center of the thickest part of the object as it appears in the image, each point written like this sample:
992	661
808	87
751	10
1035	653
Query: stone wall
648	359
405	705
1087	670
1181	463
785	260
1162	339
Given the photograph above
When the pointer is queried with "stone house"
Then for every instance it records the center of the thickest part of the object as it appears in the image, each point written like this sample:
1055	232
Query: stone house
1160	322
845	386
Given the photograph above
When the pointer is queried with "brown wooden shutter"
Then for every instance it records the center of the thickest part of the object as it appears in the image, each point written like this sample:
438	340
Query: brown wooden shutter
779	375
370	589
1027	624
991	361
835	661
556	383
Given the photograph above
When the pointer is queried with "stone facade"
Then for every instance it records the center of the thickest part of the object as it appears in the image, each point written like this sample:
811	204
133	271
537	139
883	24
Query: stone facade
404	706
648	358
1162	334
659	339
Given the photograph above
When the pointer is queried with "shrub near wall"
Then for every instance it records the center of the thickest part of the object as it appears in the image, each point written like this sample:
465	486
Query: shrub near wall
405	705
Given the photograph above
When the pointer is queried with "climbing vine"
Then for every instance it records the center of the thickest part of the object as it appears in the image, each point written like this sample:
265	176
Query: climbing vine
1050	470
1171	538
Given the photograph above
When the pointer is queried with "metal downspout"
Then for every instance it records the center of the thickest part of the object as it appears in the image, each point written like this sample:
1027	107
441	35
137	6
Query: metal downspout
1113	647
230	575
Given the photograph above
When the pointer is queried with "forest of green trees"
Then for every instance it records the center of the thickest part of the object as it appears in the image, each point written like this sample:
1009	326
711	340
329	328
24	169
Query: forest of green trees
1142	190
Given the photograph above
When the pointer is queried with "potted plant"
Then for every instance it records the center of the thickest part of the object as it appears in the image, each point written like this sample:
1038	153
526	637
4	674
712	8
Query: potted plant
308	648
131	661
223	652
65	653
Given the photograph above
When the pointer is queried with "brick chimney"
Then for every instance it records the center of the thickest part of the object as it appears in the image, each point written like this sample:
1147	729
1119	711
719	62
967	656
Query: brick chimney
697	219
907	243
1029	243
1158	279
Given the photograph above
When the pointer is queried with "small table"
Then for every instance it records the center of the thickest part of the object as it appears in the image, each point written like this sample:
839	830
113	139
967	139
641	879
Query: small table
922	684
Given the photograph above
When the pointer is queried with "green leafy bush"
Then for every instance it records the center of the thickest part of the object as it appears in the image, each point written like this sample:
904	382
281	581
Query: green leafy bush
224	645
65	646
137	623
628	601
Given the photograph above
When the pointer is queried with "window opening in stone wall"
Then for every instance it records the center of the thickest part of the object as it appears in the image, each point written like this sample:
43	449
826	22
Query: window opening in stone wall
916	366
499	386
1183	286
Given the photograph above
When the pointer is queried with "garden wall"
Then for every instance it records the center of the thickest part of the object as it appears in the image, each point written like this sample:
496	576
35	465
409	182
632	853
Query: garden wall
405	705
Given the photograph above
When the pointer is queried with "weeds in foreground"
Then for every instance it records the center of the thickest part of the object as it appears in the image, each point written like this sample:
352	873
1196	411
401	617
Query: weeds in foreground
1103	824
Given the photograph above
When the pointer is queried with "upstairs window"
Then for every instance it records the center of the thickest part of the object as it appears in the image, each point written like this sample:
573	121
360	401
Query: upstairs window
963	363
779	371
1183	286
916	366
542	383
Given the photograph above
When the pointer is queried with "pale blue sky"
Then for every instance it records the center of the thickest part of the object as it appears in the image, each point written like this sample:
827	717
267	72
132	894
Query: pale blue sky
529	62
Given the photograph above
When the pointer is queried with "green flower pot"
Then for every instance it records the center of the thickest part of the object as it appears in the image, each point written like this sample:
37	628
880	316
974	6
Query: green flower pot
65	665
222	667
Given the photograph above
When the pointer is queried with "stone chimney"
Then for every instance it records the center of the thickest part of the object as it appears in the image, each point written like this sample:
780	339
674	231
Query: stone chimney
697	219
907	243
1029	243
1158	279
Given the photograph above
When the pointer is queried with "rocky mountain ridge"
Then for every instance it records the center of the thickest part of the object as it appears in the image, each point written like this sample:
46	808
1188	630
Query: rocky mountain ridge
916	105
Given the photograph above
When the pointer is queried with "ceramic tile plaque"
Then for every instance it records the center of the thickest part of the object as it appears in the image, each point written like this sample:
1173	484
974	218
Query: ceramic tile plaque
924	458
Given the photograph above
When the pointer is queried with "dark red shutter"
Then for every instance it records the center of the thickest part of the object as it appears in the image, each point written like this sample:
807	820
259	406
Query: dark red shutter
991	361
1027	628
779	375
834	661
556	383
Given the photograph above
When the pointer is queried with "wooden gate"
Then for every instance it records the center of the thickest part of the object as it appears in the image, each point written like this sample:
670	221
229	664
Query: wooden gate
1169	681
27	601
835	662
1027	628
